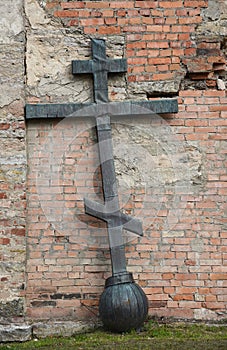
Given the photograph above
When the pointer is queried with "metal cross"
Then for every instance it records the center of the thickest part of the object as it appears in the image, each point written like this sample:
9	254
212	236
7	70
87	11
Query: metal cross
110	212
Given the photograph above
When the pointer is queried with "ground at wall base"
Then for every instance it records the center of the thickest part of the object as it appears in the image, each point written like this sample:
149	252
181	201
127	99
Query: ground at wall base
153	327
154	335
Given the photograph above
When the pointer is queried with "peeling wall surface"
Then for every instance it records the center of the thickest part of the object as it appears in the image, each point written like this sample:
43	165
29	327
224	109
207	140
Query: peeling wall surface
171	169
12	161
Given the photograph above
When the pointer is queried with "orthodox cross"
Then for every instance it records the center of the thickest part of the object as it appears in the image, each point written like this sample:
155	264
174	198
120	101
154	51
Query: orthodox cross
99	66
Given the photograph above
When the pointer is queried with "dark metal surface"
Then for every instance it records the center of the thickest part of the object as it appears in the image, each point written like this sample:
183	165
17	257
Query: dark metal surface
116	109
119	279
110	211
99	67
102	212
123	306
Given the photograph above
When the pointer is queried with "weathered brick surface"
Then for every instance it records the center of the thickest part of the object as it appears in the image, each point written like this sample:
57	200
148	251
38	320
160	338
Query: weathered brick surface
180	262
175	30
171	171
12	161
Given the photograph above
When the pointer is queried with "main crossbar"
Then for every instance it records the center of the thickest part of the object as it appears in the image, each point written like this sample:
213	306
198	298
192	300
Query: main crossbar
115	109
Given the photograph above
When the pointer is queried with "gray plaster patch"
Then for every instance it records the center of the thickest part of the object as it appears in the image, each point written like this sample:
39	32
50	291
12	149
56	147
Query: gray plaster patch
66	329
11	73
12	308
11	23
49	66
17	333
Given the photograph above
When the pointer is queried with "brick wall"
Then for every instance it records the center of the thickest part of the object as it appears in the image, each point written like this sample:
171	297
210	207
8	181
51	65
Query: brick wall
181	260
156	32
160	36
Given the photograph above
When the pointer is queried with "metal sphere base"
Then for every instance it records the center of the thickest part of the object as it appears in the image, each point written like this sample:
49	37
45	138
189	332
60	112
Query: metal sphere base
123	304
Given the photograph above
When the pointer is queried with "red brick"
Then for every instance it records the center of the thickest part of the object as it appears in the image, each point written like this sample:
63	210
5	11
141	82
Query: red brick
177	52
92	21
4	241
171	4
171	20
193	93
135	20
185	276
190	262
182	29
145	4
136	60
189	304
122	21
90	30
99	4
121	13
132	29
108	13
196	3
218	137
157	304
165	53
72	5
110	20
183	297
218	108
66	13
4	126
135	45
109	30
205	129
121	4
158	45
167	276
159	60
147	20
52	5
194	12
214	305
163	76
218	276
153	290
18	231
163	68
190	20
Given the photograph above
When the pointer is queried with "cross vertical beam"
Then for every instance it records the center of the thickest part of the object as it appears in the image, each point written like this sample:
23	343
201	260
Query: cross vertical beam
110	211
114	224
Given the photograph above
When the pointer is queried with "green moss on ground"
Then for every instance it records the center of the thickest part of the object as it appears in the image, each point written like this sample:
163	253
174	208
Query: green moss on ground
154	336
